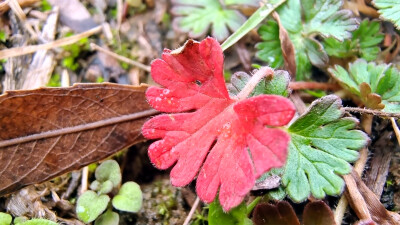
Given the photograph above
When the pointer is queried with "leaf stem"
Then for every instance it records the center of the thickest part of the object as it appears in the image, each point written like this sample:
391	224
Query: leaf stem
371	111
257	17
252	204
255	79
192	210
301	85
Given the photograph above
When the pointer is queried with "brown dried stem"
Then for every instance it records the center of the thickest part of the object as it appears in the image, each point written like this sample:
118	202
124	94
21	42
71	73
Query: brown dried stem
371	111
301	85
119	57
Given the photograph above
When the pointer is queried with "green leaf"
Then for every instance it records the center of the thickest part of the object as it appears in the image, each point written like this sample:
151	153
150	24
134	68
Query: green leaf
389	10
257	17
196	17
322	143
109	170
107	218
364	42
303	19
383	80
90	206
106	187
38	222
324	18
236	216
129	198
278	84
5	218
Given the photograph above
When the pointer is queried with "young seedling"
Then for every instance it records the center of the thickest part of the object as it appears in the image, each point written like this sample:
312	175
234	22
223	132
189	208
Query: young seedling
197	17
6	219
91	204
304	20
377	85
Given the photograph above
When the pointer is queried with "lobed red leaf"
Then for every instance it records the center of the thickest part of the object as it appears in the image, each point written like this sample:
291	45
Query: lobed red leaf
222	140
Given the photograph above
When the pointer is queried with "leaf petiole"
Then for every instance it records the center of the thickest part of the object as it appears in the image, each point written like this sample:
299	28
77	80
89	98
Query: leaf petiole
255	79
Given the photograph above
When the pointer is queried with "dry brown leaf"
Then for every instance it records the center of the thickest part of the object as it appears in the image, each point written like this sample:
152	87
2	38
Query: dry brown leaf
50	131
287	47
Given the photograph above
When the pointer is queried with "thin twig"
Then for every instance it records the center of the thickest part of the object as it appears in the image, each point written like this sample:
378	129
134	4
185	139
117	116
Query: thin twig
119	57
301	85
371	111
358	167
396	129
12	52
192	210
14	5
255	79
84	180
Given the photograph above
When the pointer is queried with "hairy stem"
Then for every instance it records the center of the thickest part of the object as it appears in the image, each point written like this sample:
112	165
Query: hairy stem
371	111
255	79
301	85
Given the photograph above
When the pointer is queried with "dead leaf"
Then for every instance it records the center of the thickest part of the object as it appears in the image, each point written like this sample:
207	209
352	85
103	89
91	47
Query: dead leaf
281	213
287	47
318	213
372	100
50	131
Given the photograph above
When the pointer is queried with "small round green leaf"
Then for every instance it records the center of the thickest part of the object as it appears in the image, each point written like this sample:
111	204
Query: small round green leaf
109	170
95	185
38	222
108	218
5	219
129	198
90	206
106	187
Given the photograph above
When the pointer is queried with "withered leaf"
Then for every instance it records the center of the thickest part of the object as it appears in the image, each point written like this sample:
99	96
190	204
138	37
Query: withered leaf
281	213
288	50
318	213
50	131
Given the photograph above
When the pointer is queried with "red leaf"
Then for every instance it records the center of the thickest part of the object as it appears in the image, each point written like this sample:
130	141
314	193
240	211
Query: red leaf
212	123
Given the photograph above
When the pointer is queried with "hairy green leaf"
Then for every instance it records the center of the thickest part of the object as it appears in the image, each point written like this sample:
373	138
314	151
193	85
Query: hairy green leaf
107	218
389	10
322	144
382	79
90	206
5	219
129	198
278	84
364	42
196	17
303	19
236	216
109	170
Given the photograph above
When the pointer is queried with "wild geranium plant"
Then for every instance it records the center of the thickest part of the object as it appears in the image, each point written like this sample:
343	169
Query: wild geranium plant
228	141
222	140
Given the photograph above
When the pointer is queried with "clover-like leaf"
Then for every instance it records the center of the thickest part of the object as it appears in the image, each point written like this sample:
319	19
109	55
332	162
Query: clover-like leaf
237	216
303	19
211	132
109	170
196	17
277	84
107	218
383	81
322	143
364	42
389	10
90	205
5	218
129	197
